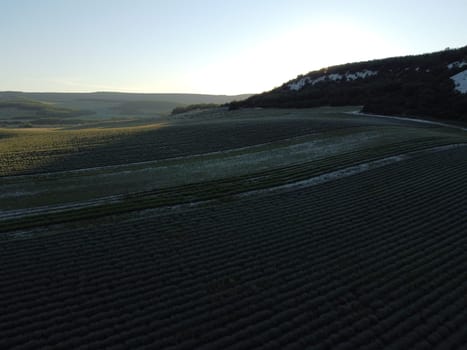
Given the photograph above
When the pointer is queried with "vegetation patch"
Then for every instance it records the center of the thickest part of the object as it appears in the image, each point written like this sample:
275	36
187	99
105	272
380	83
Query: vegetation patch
408	86
195	107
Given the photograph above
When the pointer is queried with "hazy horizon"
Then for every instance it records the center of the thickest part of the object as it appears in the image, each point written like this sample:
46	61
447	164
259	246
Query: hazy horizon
207	47
117	92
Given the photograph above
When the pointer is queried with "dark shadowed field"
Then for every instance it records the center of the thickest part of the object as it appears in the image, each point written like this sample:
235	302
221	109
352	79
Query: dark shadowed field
274	229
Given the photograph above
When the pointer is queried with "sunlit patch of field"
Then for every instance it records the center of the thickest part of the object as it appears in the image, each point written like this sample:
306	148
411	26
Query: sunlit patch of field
32	149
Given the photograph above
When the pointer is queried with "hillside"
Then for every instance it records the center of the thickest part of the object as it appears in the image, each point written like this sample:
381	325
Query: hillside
430	85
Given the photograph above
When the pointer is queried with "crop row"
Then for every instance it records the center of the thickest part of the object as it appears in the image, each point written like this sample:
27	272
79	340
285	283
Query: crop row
221	188
363	261
303	221
202	241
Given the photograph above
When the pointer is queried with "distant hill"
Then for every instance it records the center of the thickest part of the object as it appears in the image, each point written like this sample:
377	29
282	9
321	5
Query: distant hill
432	85
31	109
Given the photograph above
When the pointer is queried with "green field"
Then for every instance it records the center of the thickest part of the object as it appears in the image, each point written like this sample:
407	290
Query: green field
275	228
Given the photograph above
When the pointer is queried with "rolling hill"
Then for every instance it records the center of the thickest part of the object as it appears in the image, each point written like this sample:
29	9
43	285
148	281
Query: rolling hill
38	109
429	85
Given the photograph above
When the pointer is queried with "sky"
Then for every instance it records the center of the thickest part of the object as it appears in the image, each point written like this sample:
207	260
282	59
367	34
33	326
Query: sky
208	46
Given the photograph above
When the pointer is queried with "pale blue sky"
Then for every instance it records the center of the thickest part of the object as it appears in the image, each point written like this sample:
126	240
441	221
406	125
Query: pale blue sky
208	46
